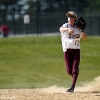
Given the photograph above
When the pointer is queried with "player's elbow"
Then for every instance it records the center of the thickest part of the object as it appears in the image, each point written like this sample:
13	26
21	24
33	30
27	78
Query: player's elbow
84	38
60	29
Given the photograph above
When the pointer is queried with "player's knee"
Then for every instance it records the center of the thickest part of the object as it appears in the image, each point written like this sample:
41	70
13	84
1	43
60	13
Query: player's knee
69	72
75	72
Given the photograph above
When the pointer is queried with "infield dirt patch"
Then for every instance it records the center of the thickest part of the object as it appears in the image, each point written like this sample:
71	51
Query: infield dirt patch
86	92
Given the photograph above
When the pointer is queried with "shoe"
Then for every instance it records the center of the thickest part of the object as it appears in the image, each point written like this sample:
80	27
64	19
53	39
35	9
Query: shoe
71	89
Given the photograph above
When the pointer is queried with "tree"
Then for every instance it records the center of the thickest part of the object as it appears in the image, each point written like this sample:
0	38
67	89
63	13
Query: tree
93	6
9	6
56	5
32	6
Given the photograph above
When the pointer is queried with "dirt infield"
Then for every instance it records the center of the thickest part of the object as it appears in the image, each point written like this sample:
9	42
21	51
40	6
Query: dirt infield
86	92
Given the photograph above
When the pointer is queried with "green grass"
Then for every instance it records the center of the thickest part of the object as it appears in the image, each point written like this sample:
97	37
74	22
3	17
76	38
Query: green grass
32	62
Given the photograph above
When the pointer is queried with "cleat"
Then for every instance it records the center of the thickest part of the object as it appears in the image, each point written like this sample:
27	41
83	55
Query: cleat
71	89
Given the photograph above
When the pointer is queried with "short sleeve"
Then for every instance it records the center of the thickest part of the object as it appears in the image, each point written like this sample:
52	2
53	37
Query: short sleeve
65	25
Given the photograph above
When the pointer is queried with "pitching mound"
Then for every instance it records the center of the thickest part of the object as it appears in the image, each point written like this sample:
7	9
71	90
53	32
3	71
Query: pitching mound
87	92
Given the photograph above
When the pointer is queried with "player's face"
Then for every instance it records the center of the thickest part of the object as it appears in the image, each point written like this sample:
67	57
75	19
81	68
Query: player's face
71	19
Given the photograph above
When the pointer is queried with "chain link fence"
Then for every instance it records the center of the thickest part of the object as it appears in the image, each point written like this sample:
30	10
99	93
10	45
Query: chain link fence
44	23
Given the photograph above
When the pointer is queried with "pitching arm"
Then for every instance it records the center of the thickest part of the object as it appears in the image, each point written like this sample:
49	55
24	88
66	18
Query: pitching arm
63	29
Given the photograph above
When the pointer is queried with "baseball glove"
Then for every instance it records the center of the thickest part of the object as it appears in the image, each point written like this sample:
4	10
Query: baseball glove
80	23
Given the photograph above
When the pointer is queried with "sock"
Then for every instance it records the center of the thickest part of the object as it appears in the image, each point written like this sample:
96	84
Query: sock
74	79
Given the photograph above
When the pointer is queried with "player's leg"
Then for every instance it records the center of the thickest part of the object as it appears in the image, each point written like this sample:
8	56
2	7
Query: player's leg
75	68
68	55
68	62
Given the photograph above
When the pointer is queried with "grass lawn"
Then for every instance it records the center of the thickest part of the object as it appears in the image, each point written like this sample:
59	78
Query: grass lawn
33	62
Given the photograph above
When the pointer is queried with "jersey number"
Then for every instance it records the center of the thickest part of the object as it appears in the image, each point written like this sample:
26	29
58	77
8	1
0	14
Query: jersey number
77	42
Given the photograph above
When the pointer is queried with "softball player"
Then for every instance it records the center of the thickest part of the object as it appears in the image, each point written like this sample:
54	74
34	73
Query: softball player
70	37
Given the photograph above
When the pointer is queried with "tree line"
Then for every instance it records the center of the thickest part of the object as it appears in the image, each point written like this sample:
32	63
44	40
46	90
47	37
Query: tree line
45	6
